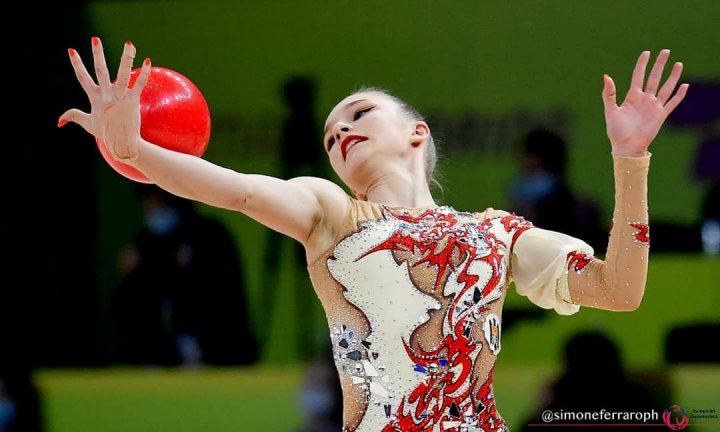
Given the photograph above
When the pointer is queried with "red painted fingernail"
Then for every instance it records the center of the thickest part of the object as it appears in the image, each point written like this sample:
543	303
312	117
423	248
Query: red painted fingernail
146	62
128	43
95	40
62	122
72	52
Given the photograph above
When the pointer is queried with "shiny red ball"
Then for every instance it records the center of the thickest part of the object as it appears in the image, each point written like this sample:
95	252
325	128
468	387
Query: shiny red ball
173	114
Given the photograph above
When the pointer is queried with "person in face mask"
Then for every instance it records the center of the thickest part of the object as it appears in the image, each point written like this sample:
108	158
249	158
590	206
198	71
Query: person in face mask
8	410
162	220
181	295
320	396
21	402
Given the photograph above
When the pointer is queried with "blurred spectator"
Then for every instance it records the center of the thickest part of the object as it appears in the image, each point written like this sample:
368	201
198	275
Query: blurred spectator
181	298
708	168
691	343
593	379
543	195
320	396
710	228
301	155
20	404
699	112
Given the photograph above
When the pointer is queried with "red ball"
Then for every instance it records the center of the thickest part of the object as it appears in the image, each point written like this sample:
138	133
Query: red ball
173	114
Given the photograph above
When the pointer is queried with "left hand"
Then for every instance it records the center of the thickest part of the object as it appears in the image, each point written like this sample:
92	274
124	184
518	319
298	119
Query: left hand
633	125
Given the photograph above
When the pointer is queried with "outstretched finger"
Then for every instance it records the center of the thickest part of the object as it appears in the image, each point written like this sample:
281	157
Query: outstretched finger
125	69
669	86
81	73
142	79
101	70
675	100
638	76
76	116
609	92
656	72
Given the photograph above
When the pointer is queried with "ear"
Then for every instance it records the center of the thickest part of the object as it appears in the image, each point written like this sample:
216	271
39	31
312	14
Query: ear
420	133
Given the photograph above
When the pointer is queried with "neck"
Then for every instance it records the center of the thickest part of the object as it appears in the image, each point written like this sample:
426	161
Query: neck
400	190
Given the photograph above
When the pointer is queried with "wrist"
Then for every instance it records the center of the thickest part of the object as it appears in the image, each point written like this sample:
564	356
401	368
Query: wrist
629	153
625	165
133	158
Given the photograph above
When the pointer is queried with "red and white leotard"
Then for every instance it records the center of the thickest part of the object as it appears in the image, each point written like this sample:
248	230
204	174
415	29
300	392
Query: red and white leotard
414	299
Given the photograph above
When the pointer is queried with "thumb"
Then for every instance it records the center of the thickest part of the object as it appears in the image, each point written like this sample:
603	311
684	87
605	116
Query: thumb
608	93
76	116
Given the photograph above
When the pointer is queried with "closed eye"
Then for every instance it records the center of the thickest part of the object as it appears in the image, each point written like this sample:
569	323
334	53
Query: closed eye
361	113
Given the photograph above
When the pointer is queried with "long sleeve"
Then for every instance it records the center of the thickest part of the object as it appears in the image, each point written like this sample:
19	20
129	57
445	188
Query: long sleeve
618	283
557	271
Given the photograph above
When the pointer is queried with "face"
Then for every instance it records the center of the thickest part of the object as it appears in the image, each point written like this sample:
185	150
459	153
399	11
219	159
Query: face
367	134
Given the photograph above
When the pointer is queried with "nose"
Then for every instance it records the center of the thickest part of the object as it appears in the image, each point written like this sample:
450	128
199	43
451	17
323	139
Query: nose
338	128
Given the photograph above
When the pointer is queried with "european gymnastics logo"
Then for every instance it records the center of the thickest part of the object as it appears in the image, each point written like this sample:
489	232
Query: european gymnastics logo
675	418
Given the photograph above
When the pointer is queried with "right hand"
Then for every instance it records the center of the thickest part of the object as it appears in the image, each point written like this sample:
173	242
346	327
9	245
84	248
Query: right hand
114	117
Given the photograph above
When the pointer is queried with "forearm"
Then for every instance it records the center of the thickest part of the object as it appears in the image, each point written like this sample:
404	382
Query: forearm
618	282
190	176
291	207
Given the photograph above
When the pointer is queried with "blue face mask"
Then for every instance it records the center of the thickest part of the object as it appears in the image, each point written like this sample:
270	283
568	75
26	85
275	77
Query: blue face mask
317	402
534	186
7	412
162	220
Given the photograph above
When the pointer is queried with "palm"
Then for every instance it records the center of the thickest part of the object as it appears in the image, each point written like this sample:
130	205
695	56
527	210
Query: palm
633	125
114	117
116	123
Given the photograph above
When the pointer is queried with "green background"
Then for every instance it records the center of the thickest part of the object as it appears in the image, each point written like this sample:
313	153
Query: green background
512	64
500	60
264	399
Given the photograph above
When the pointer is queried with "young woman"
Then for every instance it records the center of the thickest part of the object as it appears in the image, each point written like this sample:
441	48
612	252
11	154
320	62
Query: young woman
413	291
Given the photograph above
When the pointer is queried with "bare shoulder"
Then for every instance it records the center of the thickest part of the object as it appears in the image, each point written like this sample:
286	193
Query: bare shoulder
333	200
491	213
318	184
333	205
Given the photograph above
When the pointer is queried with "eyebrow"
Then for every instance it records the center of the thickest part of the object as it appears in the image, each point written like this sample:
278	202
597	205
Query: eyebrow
348	105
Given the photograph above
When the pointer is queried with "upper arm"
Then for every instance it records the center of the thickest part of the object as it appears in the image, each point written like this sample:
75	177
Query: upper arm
297	207
540	267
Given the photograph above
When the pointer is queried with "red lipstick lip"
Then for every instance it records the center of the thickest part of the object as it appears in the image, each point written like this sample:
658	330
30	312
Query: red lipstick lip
348	139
